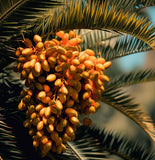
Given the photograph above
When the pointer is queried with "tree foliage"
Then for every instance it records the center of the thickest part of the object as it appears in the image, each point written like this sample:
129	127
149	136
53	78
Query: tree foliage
114	28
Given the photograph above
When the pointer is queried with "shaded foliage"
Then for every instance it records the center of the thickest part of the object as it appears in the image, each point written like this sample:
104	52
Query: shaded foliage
9	148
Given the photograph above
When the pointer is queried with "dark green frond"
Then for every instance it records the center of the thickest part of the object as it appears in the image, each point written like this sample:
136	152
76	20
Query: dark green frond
97	16
8	7
9	149
16	14
6	55
131	78
94	144
122	102
10	90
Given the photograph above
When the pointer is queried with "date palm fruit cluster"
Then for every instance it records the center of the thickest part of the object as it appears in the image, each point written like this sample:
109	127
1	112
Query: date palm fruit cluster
61	82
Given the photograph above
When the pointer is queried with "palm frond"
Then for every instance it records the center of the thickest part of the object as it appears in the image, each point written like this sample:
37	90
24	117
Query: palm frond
122	102
131	5
111	45
97	16
131	78
94	144
10	91
6	55
15	14
94	39
8	7
9	148
126	45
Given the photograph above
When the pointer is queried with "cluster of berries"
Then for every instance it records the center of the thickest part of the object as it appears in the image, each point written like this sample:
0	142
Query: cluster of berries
61	82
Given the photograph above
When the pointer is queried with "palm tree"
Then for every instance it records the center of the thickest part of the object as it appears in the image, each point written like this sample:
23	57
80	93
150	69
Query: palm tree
114	28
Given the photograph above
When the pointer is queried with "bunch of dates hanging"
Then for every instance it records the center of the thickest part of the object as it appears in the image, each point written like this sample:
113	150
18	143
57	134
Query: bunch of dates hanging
61	82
